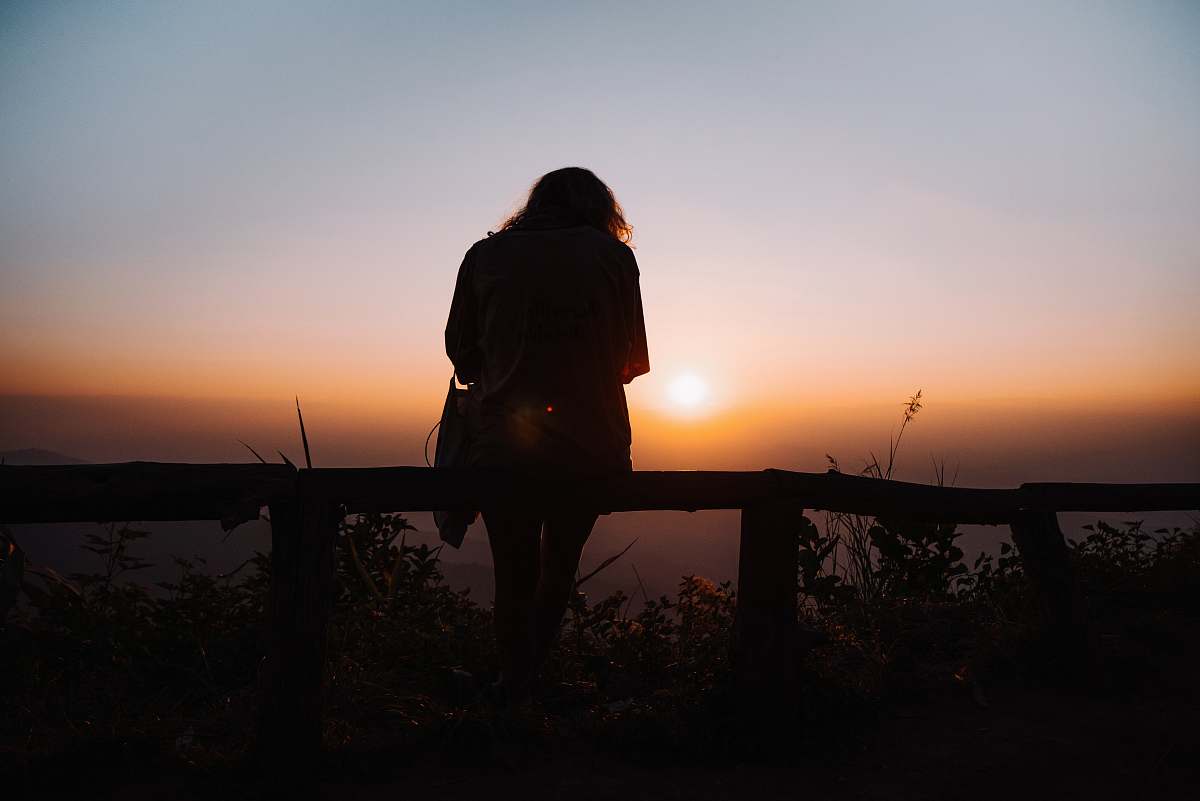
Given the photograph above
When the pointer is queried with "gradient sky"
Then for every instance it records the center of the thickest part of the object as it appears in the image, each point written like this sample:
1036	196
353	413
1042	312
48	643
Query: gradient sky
834	204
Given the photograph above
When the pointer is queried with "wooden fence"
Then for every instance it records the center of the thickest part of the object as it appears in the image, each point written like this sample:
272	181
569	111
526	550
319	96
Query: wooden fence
306	506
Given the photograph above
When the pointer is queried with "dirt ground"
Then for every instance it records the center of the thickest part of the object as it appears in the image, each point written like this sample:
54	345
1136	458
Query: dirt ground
1022	744
1033	746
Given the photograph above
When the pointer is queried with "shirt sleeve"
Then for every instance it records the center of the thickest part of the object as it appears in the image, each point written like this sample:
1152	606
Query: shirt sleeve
637	360
462	328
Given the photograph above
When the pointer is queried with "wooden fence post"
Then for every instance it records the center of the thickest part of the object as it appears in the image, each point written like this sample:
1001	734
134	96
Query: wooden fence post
764	647
1047	563
291	689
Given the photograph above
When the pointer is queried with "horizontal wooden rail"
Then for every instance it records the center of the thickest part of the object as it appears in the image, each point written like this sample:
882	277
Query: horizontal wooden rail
1060	497
231	493
234	492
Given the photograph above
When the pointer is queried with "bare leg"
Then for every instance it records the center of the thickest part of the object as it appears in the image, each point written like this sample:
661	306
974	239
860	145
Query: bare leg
514	541
562	545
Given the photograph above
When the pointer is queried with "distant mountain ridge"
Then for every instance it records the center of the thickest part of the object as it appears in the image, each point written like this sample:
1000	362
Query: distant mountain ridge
37	456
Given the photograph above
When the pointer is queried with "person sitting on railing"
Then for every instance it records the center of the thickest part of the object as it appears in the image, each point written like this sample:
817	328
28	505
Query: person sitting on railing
546	326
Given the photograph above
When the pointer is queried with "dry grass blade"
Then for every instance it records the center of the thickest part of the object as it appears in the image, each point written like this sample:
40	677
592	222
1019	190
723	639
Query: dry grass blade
641	586
303	435
605	564
362	570
53	576
256	453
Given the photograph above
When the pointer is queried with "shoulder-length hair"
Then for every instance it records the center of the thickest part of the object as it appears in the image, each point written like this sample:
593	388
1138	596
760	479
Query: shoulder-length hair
579	195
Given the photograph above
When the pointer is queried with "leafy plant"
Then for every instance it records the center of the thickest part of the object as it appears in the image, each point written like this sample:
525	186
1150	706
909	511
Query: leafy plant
818	584
1126	558
916	560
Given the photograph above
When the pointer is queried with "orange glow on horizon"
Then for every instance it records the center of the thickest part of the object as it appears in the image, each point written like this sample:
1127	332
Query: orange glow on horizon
689	397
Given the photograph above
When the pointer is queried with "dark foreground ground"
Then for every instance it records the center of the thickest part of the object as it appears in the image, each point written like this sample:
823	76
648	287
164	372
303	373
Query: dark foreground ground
109	691
1011	742
1036	745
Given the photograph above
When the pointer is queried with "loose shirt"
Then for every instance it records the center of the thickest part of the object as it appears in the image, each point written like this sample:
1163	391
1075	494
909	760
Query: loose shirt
546	323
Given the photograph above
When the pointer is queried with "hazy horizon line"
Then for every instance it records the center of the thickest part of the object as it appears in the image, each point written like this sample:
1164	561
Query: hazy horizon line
1187	396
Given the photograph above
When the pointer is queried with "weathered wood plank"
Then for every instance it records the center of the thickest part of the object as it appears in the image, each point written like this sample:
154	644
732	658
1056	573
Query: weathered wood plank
764	640
292	681
1068	638
277	685
839	492
1064	497
1047	563
422	489
231	493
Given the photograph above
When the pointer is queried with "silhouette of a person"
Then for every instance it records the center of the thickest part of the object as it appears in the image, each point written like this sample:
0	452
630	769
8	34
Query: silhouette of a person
546	325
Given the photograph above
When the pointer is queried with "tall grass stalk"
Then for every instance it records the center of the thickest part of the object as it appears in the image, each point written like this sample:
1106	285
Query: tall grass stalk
855	554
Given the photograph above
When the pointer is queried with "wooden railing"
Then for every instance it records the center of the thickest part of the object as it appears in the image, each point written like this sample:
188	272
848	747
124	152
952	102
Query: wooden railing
306	505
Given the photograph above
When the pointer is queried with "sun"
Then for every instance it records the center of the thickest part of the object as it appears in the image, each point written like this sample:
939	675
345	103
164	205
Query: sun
688	392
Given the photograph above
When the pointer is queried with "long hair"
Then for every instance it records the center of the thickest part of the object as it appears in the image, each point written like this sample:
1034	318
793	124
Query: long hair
578	194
